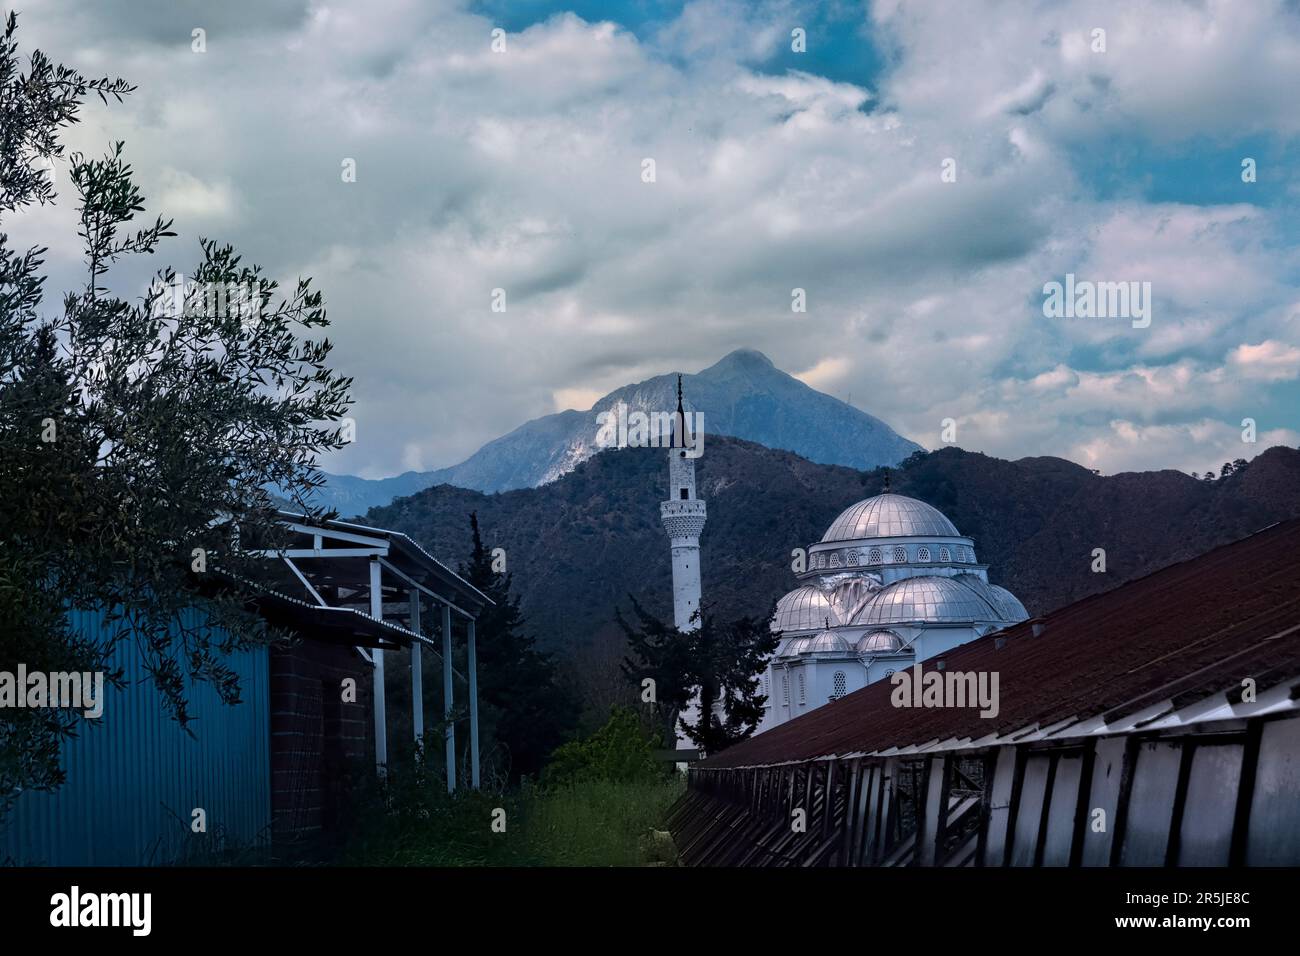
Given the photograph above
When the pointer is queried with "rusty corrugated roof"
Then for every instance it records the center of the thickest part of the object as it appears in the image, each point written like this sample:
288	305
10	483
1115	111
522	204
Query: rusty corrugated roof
1185	632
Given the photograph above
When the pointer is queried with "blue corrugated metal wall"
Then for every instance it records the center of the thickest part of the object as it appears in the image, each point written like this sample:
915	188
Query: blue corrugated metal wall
134	777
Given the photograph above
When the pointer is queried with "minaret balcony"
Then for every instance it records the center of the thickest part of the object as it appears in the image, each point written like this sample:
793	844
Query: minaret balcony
683	519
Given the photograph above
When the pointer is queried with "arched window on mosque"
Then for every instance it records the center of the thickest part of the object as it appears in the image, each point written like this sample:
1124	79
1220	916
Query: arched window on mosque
835	560
803	689
945	555
900	554
840	684
873	556
923	554
785	689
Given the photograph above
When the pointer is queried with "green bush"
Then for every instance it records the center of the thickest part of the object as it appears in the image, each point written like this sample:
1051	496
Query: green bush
620	751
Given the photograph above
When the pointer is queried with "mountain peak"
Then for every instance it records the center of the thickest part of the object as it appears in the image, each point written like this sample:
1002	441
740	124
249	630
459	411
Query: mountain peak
743	395
743	359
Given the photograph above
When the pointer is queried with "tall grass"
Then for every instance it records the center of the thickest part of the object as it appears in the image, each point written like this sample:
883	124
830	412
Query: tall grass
598	823
587	823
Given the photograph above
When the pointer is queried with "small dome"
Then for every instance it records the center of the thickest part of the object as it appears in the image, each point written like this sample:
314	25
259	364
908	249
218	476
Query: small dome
790	646
926	599
1003	601
880	642
804	609
890	516
827	642
1014	610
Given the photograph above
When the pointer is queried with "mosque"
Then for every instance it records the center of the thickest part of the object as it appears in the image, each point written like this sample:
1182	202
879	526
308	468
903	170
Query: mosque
891	582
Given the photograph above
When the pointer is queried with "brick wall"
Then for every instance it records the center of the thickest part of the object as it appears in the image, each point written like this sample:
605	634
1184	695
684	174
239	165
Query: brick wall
319	743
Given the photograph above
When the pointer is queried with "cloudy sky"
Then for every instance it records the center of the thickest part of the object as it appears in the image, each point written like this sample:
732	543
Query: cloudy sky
775	170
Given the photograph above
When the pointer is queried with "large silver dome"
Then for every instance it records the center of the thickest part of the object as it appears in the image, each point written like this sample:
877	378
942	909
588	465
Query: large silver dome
926	599
804	609
890	516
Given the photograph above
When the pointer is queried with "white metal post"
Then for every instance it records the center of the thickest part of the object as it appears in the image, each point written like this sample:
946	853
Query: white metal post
417	675
473	706
447	701
381	724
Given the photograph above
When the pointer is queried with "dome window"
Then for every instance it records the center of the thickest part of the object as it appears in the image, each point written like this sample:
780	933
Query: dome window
835	560
841	685
900	554
873	556
923	554
945	555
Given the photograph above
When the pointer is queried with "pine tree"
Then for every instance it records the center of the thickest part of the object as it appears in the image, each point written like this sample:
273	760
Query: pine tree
660	654
532	712
719	662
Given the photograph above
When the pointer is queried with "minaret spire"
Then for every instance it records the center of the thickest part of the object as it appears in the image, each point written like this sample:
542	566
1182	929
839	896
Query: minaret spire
680	436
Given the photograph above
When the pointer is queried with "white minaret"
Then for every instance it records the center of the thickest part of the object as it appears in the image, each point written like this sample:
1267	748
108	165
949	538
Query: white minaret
683	517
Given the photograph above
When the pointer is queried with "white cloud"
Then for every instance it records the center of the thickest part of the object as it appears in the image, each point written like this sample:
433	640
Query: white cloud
1186	446
1269	361
188	199
522	171
579	399
826	375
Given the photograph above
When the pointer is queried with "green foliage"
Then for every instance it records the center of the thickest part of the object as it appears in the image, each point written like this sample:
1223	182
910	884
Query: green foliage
620	751
721	662
662	654
528	710
583	823
138	438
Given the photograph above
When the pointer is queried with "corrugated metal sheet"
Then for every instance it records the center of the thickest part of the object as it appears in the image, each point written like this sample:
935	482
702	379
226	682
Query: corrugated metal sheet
1182	634
134	777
